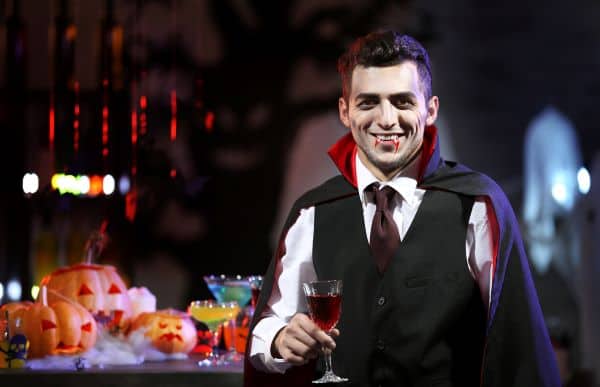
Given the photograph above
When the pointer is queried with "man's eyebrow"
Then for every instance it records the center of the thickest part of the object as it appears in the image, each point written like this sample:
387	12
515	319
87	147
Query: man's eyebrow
405	94
367	96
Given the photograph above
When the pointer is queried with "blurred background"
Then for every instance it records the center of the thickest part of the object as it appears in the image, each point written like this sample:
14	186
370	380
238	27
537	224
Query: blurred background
186	129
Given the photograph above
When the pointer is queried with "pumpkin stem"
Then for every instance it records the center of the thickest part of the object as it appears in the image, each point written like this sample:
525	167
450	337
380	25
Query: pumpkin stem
95	244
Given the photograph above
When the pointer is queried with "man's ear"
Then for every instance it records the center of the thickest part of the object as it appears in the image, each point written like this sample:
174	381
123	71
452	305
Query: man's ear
433	106
343	109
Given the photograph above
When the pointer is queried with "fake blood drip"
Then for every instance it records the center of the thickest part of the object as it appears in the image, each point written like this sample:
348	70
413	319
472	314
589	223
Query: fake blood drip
396	143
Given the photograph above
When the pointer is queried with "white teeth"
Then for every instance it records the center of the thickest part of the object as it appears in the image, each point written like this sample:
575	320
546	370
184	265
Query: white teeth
387	137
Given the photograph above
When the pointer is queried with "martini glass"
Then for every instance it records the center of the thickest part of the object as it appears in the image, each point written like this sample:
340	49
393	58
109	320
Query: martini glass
213	314
227	289
324	299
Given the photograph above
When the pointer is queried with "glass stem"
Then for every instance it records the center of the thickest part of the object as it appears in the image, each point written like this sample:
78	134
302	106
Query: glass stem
232	331
328	366
215	342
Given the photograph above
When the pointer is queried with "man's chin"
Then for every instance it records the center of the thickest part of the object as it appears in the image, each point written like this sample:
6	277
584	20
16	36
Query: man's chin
388	167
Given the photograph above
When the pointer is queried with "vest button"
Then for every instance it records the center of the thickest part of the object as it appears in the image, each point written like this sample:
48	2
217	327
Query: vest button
381	301
380	345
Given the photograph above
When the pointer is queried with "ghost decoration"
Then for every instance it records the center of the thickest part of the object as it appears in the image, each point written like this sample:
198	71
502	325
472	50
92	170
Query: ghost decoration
552	159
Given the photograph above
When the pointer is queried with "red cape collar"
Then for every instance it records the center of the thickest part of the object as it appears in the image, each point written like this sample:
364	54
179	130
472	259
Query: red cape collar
343	154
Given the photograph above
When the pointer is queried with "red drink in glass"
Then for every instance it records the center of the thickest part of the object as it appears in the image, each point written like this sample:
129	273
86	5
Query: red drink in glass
325	310
255	285
324	302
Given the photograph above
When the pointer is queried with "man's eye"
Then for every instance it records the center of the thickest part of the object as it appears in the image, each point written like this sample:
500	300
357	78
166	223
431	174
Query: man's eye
403	103
367	103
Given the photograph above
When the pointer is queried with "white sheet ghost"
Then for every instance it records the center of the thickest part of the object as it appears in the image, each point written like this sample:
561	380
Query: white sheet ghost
552	158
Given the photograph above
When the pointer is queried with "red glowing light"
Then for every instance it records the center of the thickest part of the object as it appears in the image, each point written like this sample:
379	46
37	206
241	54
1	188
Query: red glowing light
51	126
131	205
209	121
134	135
173	173
173	131
104	131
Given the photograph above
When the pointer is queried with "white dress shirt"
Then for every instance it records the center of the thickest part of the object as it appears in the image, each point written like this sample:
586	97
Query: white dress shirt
296	266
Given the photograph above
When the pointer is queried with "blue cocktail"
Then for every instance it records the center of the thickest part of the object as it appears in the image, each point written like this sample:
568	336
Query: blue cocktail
229	288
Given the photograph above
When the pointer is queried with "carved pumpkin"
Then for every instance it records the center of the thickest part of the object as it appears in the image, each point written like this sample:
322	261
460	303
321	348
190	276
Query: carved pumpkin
169	330
98	288
59	327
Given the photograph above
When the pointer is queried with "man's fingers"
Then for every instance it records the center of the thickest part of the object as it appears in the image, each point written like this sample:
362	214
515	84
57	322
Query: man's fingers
291	357
305	323
302	340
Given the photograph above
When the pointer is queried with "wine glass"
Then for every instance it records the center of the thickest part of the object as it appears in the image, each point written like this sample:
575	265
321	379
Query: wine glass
213	314
324	299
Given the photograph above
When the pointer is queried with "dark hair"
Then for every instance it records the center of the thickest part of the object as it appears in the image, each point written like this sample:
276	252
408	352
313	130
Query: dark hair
386	48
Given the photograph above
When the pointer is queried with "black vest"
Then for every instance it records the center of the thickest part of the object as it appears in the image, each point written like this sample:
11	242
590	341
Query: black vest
421	323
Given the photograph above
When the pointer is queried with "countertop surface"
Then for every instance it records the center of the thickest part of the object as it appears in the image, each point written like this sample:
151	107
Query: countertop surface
184	372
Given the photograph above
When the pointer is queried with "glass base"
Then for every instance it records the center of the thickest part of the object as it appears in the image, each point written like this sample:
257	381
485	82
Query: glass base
212	362
330	377
234	357
214	359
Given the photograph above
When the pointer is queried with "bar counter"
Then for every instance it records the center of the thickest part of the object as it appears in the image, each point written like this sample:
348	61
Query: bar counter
176	373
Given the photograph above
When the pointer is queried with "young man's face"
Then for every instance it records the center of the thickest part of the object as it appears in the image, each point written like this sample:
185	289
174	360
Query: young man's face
387	113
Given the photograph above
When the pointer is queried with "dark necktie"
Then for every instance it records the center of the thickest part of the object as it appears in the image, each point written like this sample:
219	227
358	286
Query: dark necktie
385	238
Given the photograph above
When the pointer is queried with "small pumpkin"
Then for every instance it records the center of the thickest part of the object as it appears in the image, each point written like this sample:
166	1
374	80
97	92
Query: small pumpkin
169	330
98	288
61	327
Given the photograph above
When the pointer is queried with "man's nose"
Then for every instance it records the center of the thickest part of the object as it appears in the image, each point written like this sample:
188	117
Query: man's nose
387	116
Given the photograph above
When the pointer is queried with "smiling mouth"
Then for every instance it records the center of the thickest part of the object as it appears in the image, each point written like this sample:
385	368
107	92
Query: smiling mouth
388	139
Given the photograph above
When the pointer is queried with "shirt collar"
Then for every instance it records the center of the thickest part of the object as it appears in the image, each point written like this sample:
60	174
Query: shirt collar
405	182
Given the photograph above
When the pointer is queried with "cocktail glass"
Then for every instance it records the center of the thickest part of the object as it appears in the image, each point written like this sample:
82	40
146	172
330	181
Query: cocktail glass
213	314
230	289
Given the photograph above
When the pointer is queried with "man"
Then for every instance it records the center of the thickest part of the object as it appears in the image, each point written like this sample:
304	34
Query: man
453	303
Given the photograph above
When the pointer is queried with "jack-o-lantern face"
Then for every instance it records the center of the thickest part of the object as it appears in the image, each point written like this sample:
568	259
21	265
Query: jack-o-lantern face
169	330
63	327
98	288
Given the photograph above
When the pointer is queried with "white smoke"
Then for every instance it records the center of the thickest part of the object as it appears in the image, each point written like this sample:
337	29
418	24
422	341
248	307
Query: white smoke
109	350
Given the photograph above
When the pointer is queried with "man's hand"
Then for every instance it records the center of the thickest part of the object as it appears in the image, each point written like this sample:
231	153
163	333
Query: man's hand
302	340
